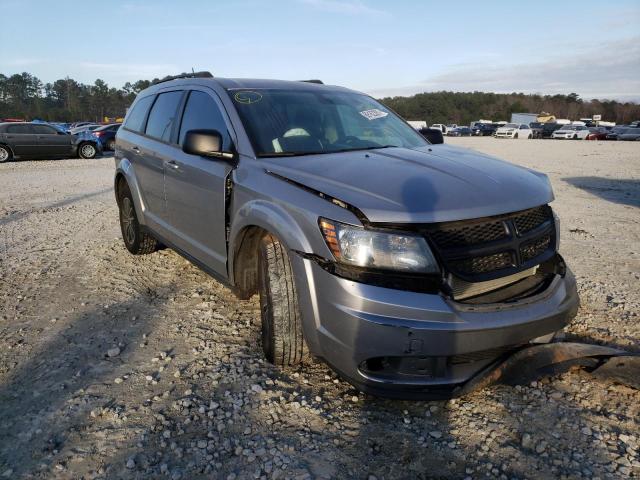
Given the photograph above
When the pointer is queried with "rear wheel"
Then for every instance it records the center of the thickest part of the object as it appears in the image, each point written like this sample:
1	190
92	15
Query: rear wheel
135	239
5	154
87	150
282	339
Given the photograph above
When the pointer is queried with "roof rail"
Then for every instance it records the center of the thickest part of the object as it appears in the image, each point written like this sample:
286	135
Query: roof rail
319	82
203	74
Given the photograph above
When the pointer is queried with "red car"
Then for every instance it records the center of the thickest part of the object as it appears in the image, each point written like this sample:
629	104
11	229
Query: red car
597	133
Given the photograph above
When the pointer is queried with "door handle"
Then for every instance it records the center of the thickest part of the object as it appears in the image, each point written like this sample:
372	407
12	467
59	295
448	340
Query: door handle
136	149
172	164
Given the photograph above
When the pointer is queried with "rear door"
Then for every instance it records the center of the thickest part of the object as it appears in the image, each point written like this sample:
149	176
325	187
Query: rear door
195	186
51	141
158	145
22	139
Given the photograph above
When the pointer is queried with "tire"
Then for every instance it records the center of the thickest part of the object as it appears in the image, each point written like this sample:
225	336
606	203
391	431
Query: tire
282	340
111	145
87	150
530	136
515	135
137	241
575	136
5	154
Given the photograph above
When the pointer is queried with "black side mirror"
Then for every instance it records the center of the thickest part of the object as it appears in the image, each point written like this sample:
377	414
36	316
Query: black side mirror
206	143
433	135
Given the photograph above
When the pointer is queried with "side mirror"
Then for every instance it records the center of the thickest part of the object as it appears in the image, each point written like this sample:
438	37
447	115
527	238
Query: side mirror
205	143
433	135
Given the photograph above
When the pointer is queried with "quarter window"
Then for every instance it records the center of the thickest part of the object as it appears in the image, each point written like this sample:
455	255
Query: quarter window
163	115
44	130
135	119
202	112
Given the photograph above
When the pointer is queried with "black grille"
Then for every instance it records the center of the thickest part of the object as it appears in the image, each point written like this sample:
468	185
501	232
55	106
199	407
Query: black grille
531	219
469	234
535	248
492	247
488	263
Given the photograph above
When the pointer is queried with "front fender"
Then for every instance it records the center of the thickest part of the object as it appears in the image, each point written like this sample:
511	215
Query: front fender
270	217
124	169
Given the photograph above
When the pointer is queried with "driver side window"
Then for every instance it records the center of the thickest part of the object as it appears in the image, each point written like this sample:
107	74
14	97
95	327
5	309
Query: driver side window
202	112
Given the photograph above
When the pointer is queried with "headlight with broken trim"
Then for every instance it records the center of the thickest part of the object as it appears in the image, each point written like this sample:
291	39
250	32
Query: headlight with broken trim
375	249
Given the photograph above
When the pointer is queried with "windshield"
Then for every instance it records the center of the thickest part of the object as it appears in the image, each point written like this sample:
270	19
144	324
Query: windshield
289	122
511	125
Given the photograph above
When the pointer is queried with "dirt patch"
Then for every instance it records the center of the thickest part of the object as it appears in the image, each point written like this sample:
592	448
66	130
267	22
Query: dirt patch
114	366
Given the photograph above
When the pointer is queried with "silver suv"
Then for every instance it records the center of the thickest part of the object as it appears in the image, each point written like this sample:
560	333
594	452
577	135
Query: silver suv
407	266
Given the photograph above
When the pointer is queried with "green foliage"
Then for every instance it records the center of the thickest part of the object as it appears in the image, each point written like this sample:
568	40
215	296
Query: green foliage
65	100
25	96
465	107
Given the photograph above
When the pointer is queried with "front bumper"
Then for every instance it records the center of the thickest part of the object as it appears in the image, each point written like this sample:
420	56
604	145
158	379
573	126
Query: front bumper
403	344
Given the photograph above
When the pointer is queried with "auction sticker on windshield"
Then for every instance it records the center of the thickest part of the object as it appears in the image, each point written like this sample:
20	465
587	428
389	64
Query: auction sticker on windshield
373	114
247	97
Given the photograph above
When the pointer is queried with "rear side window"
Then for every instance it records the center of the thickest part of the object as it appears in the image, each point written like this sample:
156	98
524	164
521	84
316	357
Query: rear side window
163	115
202	112
19	129
135	119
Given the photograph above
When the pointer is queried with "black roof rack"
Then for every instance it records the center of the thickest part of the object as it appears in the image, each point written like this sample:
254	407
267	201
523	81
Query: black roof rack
319	82
202	74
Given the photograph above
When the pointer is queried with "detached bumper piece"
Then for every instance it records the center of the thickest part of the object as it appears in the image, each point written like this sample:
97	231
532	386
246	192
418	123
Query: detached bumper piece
533	362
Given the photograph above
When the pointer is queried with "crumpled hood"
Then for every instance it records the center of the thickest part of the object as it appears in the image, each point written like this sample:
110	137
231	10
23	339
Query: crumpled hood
437	183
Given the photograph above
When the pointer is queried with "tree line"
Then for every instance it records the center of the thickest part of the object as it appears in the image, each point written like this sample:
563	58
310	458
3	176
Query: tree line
25	96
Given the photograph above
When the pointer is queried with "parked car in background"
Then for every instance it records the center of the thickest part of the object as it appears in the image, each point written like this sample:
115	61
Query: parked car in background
408	267
484	129
439	126
536	129
460	132
573	132
514	130
79	124
630	134
615	131
549	128
84	128
597	133
107	135
40	140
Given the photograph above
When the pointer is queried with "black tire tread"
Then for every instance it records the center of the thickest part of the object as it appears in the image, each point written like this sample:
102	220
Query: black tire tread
145	243
287	342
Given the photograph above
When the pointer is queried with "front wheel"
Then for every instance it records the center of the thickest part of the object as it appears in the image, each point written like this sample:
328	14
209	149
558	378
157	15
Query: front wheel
575	136
282	339
87	150
515	136
530	136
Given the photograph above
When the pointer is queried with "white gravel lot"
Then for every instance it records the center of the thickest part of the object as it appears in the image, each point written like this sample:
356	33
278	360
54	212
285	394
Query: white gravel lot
114	366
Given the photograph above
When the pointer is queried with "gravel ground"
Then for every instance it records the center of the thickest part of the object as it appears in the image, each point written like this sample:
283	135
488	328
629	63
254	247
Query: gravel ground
114	366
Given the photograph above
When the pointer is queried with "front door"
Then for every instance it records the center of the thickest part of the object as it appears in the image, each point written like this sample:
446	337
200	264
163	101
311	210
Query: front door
195	187
23	139
51	141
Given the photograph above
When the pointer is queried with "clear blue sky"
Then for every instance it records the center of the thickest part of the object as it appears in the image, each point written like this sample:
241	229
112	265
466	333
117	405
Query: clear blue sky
392	47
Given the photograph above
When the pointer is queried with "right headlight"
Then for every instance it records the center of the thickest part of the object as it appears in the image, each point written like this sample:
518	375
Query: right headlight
379	250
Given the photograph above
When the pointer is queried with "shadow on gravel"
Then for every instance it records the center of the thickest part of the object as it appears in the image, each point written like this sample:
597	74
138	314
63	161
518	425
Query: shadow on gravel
625	192
49	397
62	203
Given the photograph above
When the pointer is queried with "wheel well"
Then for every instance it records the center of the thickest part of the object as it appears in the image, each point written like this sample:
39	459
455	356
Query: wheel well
245	265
